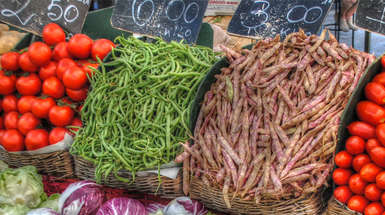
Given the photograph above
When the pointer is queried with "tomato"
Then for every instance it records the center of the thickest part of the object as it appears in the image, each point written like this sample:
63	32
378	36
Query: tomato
342	194
53	87
41	107
28	85
1	123
371	143
375	92
61	115
12	140
77	95
377	154
372	192
101	48
66	101
74	78
26	64
80	46
48	70
355	145
343	159
380	133
341	176
57	134
76	123
380	78
87	67
27	122
357	203
369	172
374	208
380	180
362	129
39	53
11	119
1	135
9	103
53	34
24	104
357	184
63	65
7	84
359	161
36	139
60	51
79	108
370	112
10	61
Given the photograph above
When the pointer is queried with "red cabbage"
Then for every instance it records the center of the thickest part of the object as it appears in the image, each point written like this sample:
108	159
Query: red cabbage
184	206
153	208
81	198
122	206
42	211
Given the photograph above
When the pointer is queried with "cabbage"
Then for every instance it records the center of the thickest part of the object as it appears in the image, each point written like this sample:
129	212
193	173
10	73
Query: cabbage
184	206
14	209
81	198
21	186
154	209
122	206
42	211
52	202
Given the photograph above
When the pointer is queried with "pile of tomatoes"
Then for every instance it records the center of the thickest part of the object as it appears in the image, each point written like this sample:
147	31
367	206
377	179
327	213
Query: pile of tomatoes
43	88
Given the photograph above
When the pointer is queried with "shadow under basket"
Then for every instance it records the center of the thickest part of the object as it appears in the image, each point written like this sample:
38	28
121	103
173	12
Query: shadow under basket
169	188
337	208
212	198
58	164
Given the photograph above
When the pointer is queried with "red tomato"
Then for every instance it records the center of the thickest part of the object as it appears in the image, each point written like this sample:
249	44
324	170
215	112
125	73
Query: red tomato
357	184
370	112
10	61
74	78
362	129
41	107
359	161
380	78
11	119
372	192
375	92
48	70
355	145
80	46
7	84
67	101
36	139
57	134
39	53
371	143
101	48
341	176
357	203
63	65
77	95
53	87
26	64
24	104
28	85
53	34
87	67
343	159
1	124
377	155
76	123
60	51
369	172
12	140
27	122
1	135
61	116
9	103
380	180
380	133
383	61
342	194
374	208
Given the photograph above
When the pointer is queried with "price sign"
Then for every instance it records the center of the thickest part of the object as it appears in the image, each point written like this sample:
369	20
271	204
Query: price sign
33	15
267	18
170	19
371	16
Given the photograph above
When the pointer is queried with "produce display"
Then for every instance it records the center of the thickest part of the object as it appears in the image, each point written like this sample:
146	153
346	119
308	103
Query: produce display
268	125
360	175
44	86
138	106
8	38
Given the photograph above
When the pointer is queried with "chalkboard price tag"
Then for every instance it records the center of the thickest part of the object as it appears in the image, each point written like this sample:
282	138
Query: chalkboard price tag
371	16
33	15
267	18
169	19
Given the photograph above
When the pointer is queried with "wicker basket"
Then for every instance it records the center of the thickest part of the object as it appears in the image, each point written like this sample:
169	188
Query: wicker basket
337	208
213	198
168	188
58	164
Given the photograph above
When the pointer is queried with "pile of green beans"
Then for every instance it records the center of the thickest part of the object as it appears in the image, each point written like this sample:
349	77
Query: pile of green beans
137	110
